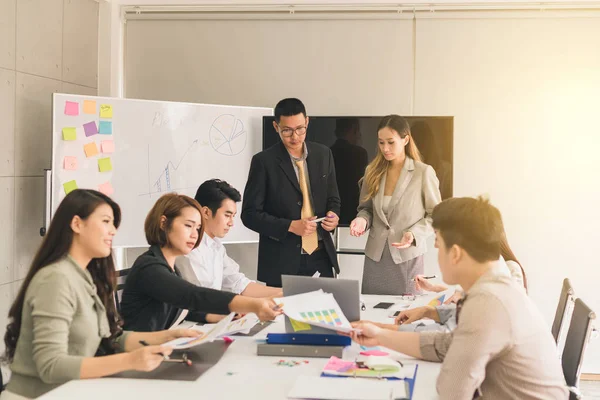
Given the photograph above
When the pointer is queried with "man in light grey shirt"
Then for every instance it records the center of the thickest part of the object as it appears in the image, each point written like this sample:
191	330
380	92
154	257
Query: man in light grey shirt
501	348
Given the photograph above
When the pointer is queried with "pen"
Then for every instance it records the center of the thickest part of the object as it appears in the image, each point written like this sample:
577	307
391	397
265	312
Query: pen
427	277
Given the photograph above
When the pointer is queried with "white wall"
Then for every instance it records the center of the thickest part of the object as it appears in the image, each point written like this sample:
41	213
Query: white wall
522	88
47	46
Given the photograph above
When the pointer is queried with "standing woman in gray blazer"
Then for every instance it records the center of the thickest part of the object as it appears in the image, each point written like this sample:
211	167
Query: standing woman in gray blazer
398	194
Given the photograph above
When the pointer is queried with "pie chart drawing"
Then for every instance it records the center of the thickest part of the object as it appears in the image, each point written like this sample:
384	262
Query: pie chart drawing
227	135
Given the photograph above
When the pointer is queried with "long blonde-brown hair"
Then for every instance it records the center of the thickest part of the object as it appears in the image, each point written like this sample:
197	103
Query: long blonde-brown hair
376	168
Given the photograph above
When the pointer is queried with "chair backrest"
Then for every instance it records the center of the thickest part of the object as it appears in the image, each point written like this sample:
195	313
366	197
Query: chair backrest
576	343
566	297
121	278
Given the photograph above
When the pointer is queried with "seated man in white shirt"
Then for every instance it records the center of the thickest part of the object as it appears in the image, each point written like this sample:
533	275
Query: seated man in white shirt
210	262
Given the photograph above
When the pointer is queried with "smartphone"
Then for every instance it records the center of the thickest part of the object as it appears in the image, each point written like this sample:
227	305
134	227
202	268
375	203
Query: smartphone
394	315
383	305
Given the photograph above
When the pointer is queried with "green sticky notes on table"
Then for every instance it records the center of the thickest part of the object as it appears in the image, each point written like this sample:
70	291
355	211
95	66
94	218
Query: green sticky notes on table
69	186
69	134
104	164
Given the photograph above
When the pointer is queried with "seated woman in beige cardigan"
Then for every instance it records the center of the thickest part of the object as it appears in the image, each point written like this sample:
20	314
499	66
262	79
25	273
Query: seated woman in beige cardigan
64	315
397	197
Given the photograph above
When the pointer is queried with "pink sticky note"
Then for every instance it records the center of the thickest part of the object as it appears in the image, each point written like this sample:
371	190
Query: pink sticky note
108	146
374	353
106	188
71	108
70	163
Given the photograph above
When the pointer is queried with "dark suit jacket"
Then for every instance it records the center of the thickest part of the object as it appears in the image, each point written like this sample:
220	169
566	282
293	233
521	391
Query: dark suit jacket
273	199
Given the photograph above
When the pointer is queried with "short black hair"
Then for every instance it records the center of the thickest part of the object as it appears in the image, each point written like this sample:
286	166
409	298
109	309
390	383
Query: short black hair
471	223
289	107
212	193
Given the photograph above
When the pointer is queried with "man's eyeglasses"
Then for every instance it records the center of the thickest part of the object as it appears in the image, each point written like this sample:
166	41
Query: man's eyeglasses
289	132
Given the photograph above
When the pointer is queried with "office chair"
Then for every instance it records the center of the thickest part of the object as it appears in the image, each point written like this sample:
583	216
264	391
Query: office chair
578	336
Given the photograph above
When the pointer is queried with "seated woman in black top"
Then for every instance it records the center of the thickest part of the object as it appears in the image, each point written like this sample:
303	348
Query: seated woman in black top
155	294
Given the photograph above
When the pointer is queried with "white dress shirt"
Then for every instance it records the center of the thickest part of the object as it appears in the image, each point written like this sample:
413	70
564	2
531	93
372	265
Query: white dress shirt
215	269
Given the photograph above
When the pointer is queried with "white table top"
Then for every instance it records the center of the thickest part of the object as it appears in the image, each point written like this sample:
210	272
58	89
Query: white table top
241	373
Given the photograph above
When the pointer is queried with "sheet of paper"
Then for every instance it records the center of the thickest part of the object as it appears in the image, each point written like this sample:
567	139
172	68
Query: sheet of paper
90	128
90	149
71	108
89	107
179	319
69	186
108	146
315	308
106	111
69	134
316	387
432	299
106	188
215	332
104	164
70	163
105	128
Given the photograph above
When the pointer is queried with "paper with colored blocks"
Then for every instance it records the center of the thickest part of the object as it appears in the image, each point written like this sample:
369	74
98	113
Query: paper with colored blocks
90	128
108	146
89	107
314	308
106	188
106	111
90	149
104	164
70	163
69	134
105	128
69	186
71	108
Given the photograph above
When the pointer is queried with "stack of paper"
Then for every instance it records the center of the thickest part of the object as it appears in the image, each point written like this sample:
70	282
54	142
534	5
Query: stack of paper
372	367
315	308
227	326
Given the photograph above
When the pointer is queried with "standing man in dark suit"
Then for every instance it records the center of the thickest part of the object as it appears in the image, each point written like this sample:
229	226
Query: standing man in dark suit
289	185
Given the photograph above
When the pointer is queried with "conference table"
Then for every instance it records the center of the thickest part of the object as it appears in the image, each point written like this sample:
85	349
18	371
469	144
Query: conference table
241	374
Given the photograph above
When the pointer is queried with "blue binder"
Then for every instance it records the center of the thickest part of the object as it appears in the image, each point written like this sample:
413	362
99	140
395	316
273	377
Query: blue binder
310	339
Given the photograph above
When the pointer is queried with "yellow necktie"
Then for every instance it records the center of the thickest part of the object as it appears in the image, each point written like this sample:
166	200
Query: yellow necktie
309	242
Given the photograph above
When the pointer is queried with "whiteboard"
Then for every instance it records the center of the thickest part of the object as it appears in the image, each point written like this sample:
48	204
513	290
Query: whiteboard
159	147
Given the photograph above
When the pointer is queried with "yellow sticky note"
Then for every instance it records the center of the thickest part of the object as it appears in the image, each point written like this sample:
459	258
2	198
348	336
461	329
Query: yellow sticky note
300	326
69	186
69	134
104	164
90	149
105	111
89	107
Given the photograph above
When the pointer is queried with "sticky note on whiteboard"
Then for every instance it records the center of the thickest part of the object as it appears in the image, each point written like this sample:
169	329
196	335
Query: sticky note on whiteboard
71	108
104	164
106	188
105	128
69	134
89	107
108	146
90	128
90	149
70	163
105	111
69	186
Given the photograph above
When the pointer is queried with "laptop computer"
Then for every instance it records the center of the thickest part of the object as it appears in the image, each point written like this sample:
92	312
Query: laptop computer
345	292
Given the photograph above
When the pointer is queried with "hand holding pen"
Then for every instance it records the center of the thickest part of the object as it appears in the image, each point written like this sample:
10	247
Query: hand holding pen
164	352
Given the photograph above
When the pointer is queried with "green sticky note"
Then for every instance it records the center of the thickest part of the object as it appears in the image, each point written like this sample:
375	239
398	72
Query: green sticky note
69	134
69	186
104	164
300	326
